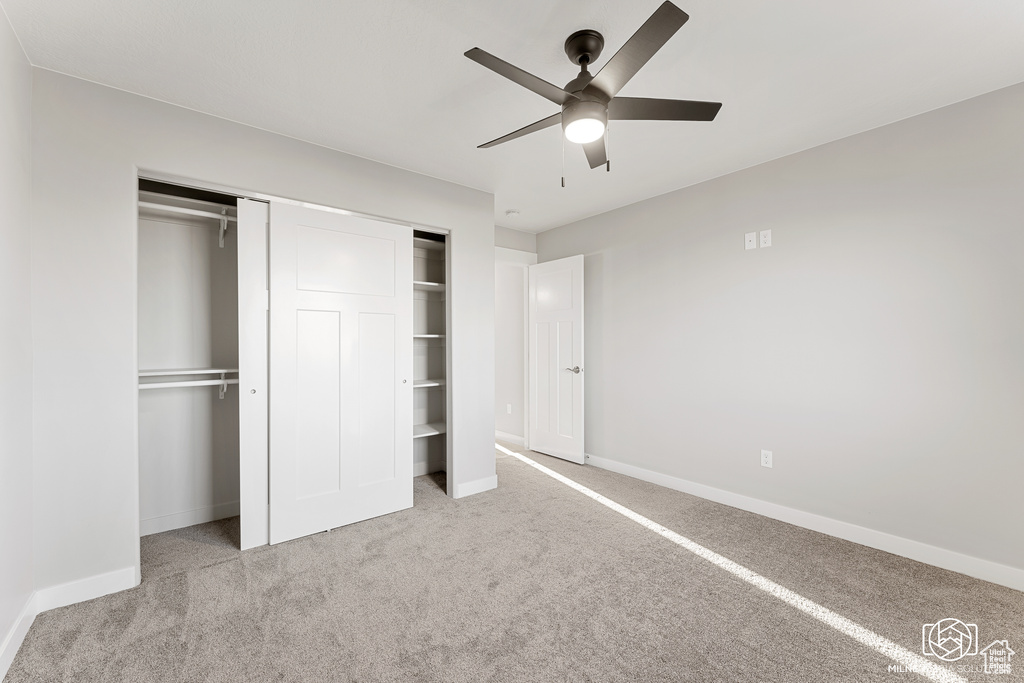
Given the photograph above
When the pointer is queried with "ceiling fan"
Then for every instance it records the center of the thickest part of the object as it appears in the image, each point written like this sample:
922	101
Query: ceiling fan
589	101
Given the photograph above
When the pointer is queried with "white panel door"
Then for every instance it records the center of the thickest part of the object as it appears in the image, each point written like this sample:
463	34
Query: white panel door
556	358
340	370
253	415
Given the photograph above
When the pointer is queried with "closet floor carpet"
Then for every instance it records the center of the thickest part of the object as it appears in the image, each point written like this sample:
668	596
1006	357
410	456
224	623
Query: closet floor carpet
532	581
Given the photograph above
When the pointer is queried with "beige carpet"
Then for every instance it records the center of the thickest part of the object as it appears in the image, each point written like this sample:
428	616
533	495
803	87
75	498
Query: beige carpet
530	582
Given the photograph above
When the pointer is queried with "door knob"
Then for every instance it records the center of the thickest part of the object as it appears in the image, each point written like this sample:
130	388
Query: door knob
575	369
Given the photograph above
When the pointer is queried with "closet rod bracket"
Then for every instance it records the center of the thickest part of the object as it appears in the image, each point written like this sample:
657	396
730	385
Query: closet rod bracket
223	229
223	377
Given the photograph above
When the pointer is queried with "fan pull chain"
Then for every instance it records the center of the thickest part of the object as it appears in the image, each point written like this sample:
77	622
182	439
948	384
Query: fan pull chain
563	160
607	150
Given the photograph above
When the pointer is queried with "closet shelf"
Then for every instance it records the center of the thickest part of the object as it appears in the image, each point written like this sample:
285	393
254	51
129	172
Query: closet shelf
430	245
191	202
429	429
185	371
427	383
422	286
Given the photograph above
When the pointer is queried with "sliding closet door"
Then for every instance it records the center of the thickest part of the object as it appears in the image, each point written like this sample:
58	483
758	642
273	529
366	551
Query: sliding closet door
252	372
340	370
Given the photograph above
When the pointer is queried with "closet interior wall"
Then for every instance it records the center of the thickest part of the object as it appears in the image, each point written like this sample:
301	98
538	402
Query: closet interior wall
188	362
430	353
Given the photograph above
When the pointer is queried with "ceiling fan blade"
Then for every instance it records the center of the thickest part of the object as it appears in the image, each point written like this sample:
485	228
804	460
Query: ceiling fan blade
646	109
552	120
596	152
648	39
517	75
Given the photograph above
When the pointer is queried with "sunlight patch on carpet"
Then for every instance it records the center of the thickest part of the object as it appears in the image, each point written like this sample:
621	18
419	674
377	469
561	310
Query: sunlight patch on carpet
913	662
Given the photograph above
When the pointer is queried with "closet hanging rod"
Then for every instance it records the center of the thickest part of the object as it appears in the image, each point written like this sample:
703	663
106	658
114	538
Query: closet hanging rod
190	383
185	210
185	371
223	382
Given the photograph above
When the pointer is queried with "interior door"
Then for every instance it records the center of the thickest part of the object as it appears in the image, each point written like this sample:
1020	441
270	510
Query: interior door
340	370
556	358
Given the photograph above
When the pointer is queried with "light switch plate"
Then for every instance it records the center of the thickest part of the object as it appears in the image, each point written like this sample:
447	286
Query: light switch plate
750	240
766	238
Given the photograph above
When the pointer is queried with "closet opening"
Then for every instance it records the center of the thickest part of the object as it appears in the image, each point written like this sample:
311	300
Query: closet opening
188	360
431	357
220	276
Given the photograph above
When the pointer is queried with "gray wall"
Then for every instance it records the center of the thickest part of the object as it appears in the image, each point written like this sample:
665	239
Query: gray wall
89	142
515	239
15	333
877	348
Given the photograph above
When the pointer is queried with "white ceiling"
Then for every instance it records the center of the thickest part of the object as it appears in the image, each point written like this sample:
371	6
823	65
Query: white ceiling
387	80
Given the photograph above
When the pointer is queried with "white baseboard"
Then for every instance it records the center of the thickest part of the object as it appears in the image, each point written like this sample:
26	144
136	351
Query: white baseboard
473	487
178	520
14	638
986	570
509	438
85	589
58	596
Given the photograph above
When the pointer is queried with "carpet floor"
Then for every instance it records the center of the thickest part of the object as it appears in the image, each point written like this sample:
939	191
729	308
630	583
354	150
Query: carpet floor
529	582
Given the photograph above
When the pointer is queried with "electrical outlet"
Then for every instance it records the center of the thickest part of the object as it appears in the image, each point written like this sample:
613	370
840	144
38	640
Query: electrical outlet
508	408
750	240
766	458
766	238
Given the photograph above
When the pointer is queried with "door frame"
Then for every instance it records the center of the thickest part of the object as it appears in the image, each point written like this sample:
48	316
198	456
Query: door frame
521	260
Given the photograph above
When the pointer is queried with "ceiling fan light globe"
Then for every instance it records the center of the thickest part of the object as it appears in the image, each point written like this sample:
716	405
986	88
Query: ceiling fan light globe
582	131
584	121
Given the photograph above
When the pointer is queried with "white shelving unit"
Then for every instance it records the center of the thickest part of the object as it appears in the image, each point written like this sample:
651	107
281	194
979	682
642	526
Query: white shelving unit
428	243
430	353
429	429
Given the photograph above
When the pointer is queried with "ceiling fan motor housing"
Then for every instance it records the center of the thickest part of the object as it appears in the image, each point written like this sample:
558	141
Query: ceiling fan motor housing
584	109
586	104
